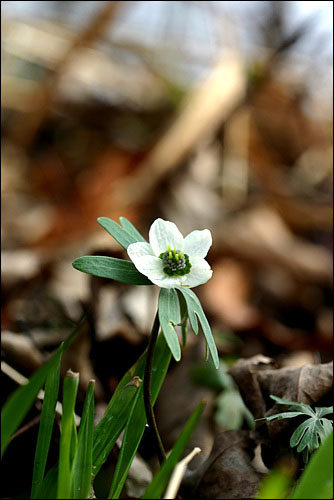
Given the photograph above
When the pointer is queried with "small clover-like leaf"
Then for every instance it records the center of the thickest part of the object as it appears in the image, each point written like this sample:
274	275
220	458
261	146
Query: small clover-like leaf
294	405
309	434
280	416
321	412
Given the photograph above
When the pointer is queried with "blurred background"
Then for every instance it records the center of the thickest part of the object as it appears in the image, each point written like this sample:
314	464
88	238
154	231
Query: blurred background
209	114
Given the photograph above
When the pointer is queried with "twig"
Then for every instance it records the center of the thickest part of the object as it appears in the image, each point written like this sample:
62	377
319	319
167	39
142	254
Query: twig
22	380
26	427
178	474
202	112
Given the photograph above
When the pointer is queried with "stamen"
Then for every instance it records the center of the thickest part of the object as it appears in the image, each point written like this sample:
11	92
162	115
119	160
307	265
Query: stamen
176	263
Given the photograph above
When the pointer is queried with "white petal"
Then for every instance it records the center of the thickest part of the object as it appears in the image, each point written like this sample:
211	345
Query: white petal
197	243
169	281
163	233
200	273
150	266
139	249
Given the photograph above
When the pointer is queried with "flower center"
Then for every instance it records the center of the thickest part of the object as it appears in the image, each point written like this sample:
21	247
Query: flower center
175	262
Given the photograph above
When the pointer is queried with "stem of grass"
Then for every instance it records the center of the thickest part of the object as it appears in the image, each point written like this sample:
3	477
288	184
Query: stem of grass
147	390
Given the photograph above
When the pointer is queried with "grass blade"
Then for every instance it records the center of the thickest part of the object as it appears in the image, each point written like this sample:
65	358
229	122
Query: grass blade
111	425
317	478
82	465
117	412
70	389
46	426
159	483
48	488
111	268
136	423
20	402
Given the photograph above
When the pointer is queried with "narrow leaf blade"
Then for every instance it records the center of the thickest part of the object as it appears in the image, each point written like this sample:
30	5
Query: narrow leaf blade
294	405
116	231
48	488
111	268
81	473
46	426
195	308
280	416
111	425
136	423
317	478
70	389
131	230
168	308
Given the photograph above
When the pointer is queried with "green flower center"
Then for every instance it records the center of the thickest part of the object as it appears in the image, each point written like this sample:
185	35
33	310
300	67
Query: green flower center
176	263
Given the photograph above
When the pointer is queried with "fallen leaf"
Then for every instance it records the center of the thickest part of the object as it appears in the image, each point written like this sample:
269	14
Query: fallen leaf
257	378
228	472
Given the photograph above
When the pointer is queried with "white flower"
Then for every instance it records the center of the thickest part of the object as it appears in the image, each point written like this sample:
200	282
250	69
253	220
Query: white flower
170	260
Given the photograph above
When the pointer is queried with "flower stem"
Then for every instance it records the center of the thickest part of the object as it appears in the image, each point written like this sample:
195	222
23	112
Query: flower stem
147	389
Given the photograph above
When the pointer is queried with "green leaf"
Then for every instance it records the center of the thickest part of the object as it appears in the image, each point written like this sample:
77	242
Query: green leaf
190	311
131	230
310	433
184	318
20	402
48	489
70	389
136	423
321	412
317	478
74	441
111	268
280	416
195	310
46	426
124	234
160	481
81	474
111	425
276	485
119	407
294	405
169	313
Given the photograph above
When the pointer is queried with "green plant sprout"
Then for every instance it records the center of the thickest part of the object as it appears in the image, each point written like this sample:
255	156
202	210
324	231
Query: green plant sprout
309	434
175	264
83	452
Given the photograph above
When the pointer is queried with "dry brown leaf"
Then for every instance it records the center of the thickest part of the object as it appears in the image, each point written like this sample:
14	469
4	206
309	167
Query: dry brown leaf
261	235
228	472
257	380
